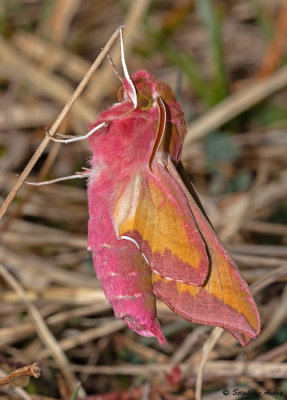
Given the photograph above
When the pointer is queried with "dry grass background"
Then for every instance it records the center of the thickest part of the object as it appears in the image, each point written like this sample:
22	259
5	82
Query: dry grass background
226	60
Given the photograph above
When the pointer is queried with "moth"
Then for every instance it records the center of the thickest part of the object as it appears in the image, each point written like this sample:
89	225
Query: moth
148	235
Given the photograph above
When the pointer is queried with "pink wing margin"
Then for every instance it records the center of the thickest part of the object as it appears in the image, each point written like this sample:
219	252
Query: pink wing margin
224	300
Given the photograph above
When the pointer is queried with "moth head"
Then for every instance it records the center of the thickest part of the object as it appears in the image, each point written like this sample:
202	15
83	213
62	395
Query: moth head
149	89
144	93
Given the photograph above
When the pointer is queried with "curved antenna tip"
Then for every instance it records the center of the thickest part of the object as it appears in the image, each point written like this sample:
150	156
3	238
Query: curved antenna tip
133	94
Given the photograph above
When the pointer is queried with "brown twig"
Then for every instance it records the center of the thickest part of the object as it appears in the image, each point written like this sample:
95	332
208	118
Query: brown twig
43	331
58	24
268	279
274	52
17	391
44	170
207	348
255	369
30	370
234	105
185	348
86	336
57	123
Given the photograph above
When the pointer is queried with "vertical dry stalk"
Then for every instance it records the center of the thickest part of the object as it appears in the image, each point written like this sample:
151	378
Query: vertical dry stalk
207	348
58	121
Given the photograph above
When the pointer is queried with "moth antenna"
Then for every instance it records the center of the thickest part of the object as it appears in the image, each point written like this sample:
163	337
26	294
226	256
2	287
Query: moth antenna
70	139
160	130
78	175
114	67
126	73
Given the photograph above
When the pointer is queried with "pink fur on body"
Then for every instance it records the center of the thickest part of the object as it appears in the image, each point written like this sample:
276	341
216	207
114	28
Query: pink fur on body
147	234
120	150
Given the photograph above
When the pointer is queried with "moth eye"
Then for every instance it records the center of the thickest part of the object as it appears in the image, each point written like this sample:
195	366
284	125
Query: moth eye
144	102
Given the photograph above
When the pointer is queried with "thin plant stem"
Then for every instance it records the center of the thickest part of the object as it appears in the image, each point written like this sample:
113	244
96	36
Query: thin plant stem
58	121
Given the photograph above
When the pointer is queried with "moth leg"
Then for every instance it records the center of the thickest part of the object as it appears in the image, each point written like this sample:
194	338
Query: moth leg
60	135
78	175
70	139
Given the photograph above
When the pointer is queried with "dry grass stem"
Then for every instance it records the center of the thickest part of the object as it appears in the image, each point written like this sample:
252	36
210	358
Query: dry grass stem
233	106
207	348
42	329
252	369
30	370
52	304
57	123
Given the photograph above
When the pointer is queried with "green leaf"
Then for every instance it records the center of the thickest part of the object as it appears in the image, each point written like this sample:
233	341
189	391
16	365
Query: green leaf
220	147
183	60
268	113
212	21
264	22
240	181
75	392
191	68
